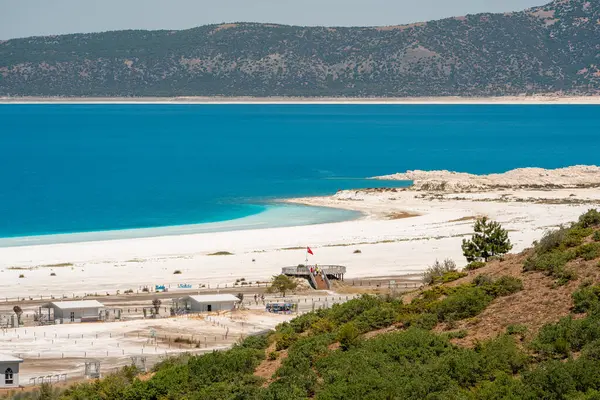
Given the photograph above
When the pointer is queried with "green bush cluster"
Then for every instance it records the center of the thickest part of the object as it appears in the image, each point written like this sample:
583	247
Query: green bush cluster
348	336
586	298
452	276
589	219
425	321
589	251
472	266
435	273
409	364
557	248
503	286
568	335
464	303
516	329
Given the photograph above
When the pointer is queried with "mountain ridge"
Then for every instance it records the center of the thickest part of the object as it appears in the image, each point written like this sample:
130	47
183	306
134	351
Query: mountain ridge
546	49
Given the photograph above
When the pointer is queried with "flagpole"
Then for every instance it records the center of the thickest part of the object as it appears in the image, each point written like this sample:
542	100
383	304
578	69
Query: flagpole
306	261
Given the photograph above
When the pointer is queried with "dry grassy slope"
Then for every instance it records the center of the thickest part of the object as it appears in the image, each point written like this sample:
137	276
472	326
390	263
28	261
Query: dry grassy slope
540	302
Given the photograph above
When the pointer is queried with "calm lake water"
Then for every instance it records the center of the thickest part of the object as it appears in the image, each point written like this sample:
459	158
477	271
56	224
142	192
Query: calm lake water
87	168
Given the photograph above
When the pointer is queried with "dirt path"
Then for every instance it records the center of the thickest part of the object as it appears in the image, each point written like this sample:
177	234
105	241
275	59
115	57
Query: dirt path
267	368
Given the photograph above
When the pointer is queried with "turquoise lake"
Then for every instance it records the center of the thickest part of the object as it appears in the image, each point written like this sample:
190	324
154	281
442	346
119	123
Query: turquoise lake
88	168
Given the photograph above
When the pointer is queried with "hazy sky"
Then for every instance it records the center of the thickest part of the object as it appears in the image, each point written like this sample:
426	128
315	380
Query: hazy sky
21	18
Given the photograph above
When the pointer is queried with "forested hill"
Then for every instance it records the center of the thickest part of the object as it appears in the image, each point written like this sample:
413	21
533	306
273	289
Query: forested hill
553	48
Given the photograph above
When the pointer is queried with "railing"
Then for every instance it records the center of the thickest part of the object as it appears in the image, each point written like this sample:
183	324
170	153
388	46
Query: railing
296	270
302	270
313	281
327	282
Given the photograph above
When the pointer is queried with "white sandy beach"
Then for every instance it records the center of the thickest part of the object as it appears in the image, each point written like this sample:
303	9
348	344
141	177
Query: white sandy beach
538	99
389	247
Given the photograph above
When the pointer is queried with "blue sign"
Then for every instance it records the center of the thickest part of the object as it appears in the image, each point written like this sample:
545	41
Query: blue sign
184	286
160	288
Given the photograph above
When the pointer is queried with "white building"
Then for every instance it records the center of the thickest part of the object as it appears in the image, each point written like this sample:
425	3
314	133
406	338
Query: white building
64	312
208	303
9	371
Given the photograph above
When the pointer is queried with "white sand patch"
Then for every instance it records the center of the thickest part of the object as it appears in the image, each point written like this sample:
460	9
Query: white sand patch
388	247
63	349
549	98
114	343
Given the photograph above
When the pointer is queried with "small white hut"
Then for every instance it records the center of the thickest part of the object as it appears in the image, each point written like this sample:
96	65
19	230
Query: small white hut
208	303
73	311
9	371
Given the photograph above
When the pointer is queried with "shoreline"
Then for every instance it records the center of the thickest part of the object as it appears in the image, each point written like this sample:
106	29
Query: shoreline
301	215
401	232
505	100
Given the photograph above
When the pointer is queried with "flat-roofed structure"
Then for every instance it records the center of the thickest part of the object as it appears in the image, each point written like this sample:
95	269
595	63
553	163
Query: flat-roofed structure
64	312
207	303
9	371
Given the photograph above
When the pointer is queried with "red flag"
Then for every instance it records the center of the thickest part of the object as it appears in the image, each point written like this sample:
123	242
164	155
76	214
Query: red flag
309	251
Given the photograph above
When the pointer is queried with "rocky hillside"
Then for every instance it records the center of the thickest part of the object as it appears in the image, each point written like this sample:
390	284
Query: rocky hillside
579	176
554	48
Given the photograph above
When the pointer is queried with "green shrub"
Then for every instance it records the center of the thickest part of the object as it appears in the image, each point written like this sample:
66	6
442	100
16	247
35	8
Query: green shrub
322	325
516	329
559	339
376	318
564	275
553	264
502	354
503	386
483	280
341	313
591	351
472	266
457	334
303	322
550	241
551	380
503	286
464	303
590	218
436	271
272	356
596	236
586	298
452	276
575	236
285	340
589	251
507	285
348	336
425	321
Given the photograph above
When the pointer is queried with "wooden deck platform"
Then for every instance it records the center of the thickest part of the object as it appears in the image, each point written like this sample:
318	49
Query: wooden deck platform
331	271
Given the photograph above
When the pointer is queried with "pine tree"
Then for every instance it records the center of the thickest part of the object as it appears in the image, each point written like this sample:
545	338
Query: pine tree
489	239
282	284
